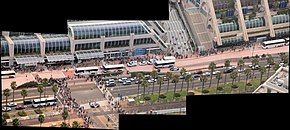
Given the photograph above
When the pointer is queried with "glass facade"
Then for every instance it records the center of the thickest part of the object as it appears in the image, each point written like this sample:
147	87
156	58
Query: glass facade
232	41
282	33
88	46
108	30
227	27
55	43
283	18
114	44
4	47
26	45
253	23
143	41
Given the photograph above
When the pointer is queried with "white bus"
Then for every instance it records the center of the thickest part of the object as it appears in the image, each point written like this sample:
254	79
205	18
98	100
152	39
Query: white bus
8	74
114	67
164	63
273	43
44	102
287	41
86	70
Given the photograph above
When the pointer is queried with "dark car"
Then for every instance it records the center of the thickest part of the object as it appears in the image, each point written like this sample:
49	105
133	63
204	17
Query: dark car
110	84
197	72
228	70
20	107
27	102
94	104
196	75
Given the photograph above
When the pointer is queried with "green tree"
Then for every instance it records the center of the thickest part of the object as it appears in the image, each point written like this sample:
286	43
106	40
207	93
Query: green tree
54	89
160	82
254	63
203	79
241	64
144	84
4	122
188	78
262	72
64	125
40	90
75	124
219	76
7	93
24	94
16	122
41	119
64	115
45	84
175	79
234	75
154	75
276	67
140	76
227	64
182	73
168	76
211	67
247	73
13	87
270	61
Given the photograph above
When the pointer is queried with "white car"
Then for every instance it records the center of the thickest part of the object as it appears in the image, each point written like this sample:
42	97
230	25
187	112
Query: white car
133	79
241	70
6	109
215	72
121	80
12	104
206	74
143	63
127	82
132	63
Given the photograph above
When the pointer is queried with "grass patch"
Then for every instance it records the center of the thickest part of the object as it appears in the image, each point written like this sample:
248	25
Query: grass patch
167	97
22	113
228	89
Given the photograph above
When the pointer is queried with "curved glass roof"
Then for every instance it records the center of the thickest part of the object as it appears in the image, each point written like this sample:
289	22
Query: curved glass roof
25	40
107	29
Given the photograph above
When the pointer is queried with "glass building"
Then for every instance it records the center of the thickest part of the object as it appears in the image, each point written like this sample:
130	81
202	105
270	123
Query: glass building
56	43
4	47
24	45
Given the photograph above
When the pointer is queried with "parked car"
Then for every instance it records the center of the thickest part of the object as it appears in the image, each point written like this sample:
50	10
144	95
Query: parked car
127	82
196	75
206	74
228	70
121	80
147	77
110	84
20	107
133	79
197	72
267	66
174	68
215	72
12	104
6	109
132	63
241	70
165	78
94	104
142	63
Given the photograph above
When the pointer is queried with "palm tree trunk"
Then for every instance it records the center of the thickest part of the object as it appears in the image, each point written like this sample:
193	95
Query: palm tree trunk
6	102
268	73
202	88
225	79
239	75
138	89
192	83
253	75
261	78
187	86
159	92
167	85
152	88
144	92
233	82
174	88
217	86
210	79
246	84
182	85
39	99
13	95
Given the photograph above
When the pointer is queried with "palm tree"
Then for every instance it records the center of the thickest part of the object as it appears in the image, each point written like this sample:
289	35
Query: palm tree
227	64
144	84
154	75
203	79
45	83
182	73
54	89
13	87
211	67
41	119
16	122
175	79
219	76
24	94
241	64
254	63
270	61
160	82
168	76
140	76
248	73
262	71
7	94
40	90
188	78
64	115
75	124
63	124
276	67
4	122
234	75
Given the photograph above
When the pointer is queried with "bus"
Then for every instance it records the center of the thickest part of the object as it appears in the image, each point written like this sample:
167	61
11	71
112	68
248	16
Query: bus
113	67
86	70
164	63
273	43
287	41
8	74
44	102
169	58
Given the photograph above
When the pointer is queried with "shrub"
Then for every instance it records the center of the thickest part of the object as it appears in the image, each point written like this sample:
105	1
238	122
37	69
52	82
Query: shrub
38	111
147	98
249	84
28	85
162	96
247	57
177	95
264	55
22	113
220	88
205	91
190	93
6	116
257	56
234	86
